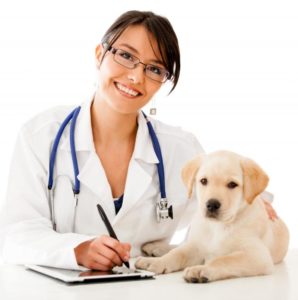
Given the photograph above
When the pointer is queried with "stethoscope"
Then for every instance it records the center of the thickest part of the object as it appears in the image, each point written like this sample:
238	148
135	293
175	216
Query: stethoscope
163	211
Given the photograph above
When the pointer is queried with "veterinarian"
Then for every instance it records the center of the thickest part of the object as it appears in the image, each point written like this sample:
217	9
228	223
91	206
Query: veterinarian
105	151
114	160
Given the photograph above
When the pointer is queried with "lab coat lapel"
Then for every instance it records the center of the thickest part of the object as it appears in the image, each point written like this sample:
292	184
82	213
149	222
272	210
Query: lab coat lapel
139	178
93	176
91	172
137	182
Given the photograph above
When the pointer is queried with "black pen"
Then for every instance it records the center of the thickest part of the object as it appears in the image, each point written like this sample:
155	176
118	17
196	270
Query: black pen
109	227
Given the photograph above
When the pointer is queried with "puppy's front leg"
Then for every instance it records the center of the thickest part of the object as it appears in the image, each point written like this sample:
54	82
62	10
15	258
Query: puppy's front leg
250	262
157	248
177	259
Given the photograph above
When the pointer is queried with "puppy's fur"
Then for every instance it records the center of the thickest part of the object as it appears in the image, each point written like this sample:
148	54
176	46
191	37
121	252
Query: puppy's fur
231	234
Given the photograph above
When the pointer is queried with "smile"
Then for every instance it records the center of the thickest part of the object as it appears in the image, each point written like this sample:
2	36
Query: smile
127	91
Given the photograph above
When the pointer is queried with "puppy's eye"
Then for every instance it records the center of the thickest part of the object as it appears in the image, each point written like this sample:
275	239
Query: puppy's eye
232	185
204	181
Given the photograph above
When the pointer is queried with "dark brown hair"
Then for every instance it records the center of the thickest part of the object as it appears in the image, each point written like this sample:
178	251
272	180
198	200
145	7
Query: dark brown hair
162	31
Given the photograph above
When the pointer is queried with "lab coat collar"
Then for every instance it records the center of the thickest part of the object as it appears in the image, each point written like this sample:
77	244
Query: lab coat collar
83	130
143	147
84	138
92	173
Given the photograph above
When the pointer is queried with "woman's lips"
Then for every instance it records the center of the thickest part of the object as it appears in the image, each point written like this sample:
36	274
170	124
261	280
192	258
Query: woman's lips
126	90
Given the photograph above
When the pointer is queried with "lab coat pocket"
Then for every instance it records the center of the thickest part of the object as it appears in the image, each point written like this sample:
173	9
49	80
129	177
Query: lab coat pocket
64	204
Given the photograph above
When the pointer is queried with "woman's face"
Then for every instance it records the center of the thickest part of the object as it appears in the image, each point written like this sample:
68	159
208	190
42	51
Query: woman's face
128	90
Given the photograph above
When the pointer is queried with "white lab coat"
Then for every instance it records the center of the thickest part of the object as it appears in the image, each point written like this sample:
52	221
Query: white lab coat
26	232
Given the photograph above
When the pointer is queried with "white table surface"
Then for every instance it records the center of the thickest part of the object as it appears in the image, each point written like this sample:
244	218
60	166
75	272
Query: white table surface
18	283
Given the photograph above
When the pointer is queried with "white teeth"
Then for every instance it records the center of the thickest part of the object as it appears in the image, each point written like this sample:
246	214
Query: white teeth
126	90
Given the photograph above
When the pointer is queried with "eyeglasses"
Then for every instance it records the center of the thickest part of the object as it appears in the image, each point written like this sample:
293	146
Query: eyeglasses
130	61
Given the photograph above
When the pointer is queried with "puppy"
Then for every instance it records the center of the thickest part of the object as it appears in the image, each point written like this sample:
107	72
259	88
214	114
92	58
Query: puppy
231	234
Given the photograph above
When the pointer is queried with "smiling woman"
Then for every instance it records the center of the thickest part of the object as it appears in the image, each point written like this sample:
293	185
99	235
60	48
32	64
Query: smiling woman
120	82
113	155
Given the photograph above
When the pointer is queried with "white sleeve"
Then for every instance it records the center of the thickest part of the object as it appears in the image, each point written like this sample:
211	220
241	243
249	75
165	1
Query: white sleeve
267	196
26	234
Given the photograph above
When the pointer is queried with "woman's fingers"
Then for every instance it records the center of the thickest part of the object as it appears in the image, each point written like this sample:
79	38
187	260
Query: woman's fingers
119	251
270	211
102	253
127	247
95	265
107	255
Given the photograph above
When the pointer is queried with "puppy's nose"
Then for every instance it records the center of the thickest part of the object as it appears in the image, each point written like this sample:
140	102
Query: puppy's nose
213	205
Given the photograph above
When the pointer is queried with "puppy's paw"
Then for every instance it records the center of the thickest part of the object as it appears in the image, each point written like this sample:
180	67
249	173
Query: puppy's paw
153	264
196	274
156	249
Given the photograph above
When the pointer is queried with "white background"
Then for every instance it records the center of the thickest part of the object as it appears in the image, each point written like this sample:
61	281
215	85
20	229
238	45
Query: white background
238	88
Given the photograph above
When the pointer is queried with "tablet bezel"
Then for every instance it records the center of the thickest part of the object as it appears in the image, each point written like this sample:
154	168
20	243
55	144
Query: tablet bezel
60	274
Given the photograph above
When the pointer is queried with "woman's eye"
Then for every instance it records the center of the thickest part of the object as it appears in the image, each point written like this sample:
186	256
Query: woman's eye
204	181
232	185
126	55
154	69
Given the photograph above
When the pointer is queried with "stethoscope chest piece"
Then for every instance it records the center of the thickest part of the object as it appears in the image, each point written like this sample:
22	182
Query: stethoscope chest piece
163	211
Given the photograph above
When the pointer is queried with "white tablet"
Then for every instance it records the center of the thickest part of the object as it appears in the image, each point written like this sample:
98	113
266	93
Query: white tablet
73	276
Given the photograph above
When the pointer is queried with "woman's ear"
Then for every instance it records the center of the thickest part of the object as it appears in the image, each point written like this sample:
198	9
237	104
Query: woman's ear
189	173
255	179
98	54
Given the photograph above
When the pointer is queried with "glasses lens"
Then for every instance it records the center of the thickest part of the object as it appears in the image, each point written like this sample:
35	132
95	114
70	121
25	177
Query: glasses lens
125	59
156	73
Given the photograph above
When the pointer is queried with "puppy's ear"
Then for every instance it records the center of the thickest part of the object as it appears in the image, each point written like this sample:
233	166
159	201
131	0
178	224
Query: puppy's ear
255	180
189	173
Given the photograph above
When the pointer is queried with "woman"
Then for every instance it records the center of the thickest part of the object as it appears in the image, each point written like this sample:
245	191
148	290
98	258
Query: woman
115	155
116	158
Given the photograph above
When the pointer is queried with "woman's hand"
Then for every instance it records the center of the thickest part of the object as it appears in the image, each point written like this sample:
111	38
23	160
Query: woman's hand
270	210
102	253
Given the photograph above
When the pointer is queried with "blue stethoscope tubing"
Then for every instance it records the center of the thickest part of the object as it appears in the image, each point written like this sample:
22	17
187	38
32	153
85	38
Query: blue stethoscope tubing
73	118
163	211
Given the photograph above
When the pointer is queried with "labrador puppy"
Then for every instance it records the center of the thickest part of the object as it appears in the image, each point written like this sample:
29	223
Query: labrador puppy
231	234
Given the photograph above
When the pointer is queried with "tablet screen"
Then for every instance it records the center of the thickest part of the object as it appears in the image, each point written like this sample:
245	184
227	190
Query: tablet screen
116	270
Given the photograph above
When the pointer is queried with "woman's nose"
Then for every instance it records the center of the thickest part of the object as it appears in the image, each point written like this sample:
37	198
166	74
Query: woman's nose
137	74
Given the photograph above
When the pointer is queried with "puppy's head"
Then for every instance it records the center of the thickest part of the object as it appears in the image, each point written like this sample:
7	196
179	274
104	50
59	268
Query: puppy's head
224	183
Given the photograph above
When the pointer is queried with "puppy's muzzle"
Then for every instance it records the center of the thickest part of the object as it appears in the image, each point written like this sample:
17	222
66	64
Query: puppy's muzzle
212	208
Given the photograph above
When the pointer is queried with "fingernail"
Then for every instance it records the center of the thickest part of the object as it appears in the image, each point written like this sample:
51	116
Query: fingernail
126	258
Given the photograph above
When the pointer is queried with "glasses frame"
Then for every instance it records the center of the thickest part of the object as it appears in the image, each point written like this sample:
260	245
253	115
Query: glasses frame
136	63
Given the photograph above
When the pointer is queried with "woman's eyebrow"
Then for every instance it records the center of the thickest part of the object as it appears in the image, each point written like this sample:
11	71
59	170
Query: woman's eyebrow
130	48
156	61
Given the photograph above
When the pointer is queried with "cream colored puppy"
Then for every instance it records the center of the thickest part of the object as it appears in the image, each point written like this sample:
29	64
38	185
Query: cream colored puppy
231	234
